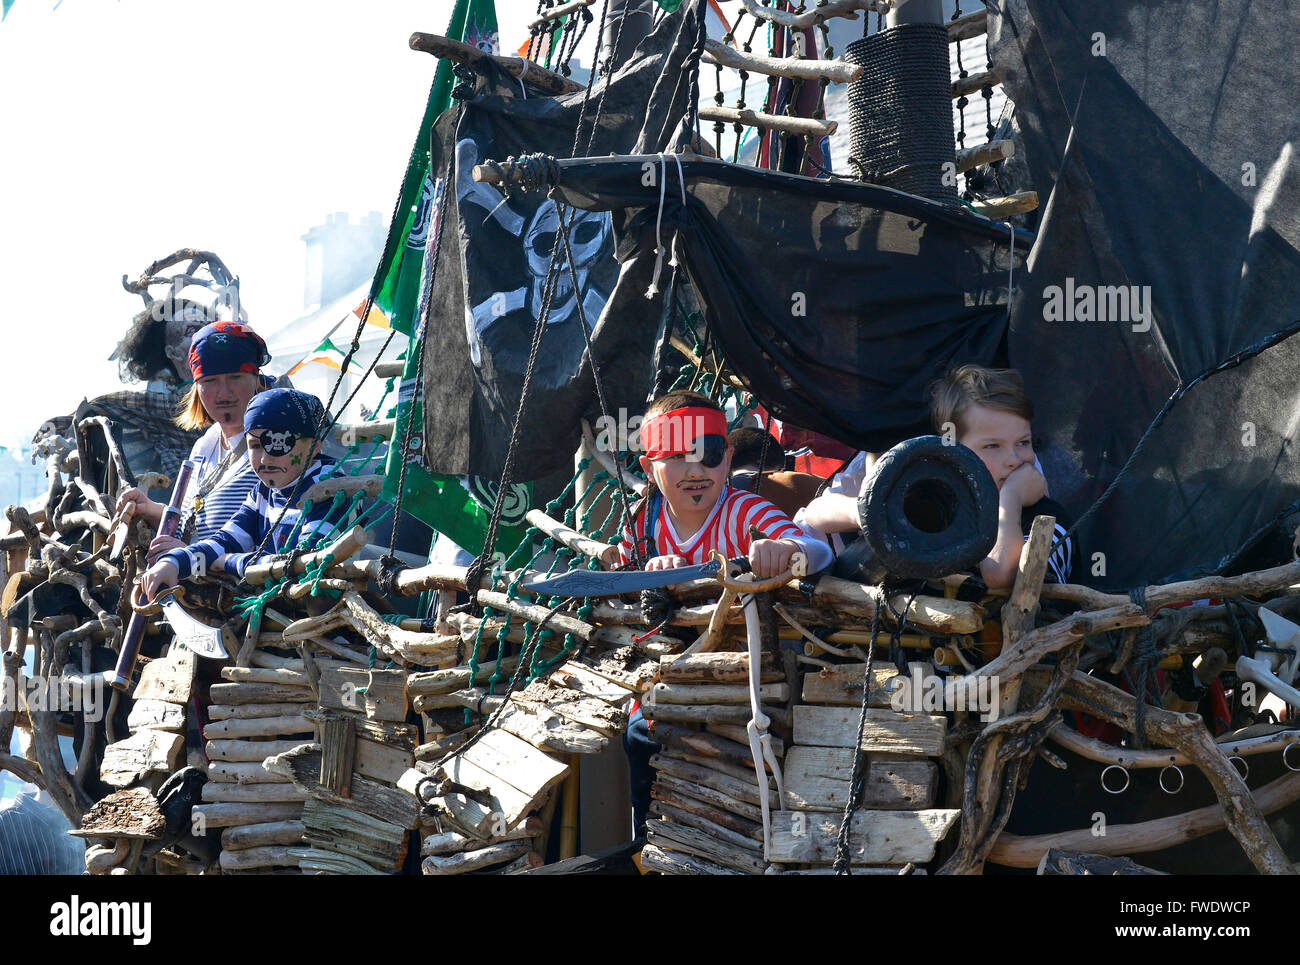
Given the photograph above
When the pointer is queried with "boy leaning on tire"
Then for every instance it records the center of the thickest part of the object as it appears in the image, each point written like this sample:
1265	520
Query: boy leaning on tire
988	412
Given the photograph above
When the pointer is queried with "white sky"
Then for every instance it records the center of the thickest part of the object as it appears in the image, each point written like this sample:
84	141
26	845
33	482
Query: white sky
131	128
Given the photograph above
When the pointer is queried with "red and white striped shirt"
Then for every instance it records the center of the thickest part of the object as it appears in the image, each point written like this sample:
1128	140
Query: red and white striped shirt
726	529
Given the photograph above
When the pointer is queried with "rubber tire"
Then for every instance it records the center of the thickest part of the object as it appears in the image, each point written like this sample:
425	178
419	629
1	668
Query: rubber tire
966	494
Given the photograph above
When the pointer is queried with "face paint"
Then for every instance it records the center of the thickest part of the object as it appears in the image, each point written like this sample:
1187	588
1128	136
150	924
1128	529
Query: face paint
278	443
296	460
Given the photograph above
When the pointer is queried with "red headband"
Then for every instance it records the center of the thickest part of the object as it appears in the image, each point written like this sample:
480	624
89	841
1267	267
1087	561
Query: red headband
674	433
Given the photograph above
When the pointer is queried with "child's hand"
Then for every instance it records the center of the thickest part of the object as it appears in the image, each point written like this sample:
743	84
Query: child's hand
664	563
1025	485
161	545
158	577
771	557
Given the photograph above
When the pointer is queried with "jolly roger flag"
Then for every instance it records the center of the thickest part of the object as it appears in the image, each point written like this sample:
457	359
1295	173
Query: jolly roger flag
490	282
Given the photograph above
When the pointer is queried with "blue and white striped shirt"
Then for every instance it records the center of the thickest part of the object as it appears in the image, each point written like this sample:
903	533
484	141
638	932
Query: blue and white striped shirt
238	540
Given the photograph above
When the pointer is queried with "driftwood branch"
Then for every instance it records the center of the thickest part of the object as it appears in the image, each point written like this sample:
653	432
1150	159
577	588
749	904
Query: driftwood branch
769	122
1020	851
517	67
835	71
1187	733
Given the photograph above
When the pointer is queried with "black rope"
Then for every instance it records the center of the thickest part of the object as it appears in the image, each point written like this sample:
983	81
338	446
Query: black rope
474	574
595	371
860	761
389	568
590	78
856	779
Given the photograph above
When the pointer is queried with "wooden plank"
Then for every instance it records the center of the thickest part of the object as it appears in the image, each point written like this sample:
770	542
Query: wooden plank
320	861
156	715
455	864
247	750
260	694
655	858
385	696
451	842
259	835
389	804
385	732
586	711
709	795
516	761
242	772
718	693
217	793
878	837
842	684
341	689
714	830
682	839
507	801
624	665
577	677
261	857
740	789
343	830
716	668
886	731
170	678
265	675
738	734
338	738
141	755
720	816
239	814
817	779
253	711
259	727
550	732
381	761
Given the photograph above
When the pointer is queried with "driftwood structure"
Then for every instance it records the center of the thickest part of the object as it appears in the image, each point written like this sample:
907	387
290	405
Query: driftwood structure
344	738
806	725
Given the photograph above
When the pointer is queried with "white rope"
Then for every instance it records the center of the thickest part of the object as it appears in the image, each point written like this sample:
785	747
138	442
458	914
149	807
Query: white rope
653	290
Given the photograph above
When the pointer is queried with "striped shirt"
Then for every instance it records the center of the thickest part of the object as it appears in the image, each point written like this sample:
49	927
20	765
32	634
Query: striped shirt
239	539
726	529
1060	562
224	500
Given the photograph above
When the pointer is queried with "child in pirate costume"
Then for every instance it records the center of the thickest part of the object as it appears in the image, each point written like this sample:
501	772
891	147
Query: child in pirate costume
690	510
225	359
280	428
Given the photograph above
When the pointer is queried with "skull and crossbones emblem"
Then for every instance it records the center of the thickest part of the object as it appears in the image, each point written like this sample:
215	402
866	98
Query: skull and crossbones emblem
590	240
278	443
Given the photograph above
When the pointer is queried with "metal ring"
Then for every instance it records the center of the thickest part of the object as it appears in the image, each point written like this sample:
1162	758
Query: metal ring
1181	779
1285	751
1123	770
1245	767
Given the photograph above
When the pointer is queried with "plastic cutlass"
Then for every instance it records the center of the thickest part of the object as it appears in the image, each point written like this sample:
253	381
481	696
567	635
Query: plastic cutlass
604	583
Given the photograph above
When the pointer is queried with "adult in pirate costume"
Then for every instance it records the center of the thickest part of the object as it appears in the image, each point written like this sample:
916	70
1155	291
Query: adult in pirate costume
225	360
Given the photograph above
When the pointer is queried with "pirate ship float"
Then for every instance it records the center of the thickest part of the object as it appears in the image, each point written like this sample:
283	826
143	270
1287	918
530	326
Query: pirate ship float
347	733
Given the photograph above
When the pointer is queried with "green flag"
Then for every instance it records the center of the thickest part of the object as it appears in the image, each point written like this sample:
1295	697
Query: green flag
459	507
396	287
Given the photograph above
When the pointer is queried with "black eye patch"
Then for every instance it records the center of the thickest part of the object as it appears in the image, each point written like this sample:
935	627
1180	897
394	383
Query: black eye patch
710	450
277	443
